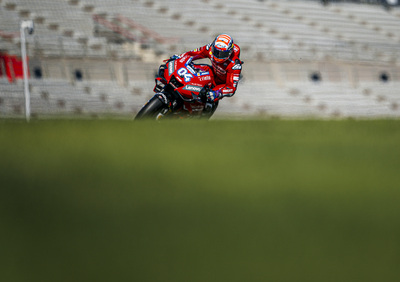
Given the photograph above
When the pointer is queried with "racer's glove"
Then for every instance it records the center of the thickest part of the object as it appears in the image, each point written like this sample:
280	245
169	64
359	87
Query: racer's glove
172	58
212	96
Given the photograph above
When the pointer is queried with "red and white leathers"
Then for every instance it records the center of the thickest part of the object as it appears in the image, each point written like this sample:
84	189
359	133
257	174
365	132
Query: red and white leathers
226	74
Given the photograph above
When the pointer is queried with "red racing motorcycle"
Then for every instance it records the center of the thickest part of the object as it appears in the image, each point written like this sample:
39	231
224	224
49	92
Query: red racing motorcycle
181	88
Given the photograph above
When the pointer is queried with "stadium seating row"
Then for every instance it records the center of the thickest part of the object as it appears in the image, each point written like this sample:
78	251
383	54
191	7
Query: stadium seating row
67	28
56	97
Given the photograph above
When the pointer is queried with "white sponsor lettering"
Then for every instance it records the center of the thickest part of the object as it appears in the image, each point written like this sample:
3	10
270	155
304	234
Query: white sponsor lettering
192	88
171	68
202	78
237	67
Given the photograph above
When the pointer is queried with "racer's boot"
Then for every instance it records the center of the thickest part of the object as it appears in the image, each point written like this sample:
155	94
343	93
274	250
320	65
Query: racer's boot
209	110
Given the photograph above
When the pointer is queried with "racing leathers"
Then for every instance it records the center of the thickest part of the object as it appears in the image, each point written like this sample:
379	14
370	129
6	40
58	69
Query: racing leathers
226	74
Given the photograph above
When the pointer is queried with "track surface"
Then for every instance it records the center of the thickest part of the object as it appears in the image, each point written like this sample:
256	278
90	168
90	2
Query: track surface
200	201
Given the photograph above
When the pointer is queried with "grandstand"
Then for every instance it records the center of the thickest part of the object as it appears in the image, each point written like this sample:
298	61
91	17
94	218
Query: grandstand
303	58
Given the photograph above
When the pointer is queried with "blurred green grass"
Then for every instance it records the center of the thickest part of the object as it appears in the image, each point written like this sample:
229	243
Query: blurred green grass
276	200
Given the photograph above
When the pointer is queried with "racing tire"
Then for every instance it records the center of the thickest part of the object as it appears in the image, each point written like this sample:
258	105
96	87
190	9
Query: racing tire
151	110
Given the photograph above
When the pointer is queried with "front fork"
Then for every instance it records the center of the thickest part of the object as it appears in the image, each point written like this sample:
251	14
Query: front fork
171	104
162	92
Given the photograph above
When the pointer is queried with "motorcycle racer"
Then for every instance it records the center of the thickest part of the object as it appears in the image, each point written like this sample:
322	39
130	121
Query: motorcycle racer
226	64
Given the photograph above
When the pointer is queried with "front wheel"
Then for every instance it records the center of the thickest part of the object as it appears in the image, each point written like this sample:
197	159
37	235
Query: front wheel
151	110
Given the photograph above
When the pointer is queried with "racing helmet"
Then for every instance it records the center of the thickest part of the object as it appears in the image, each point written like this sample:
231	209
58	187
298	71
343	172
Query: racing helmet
221	48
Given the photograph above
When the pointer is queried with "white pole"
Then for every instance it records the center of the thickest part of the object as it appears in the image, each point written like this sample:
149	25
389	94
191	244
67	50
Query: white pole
26	24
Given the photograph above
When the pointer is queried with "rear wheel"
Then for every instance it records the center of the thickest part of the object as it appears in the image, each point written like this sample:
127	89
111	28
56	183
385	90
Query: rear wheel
151	110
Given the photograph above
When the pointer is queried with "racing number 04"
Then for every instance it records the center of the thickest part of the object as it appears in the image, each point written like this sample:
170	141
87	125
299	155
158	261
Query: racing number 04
184	73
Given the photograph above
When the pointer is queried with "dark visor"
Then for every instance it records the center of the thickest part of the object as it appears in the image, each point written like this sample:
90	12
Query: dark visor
220	54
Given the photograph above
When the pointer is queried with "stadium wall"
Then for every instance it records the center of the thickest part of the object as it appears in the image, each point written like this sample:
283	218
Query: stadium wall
90	49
